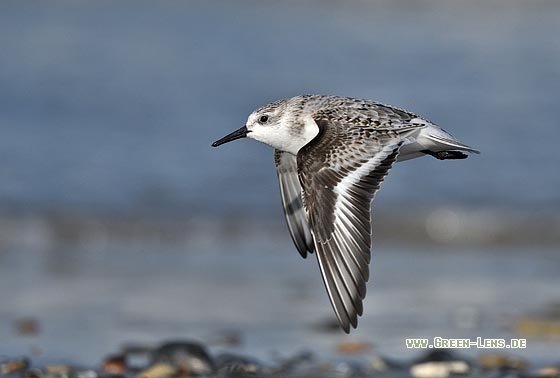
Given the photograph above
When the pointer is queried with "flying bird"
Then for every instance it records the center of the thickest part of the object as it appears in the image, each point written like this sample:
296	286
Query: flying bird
331	154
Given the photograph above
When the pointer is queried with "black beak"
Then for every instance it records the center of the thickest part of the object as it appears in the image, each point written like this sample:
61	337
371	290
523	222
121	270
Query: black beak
237	134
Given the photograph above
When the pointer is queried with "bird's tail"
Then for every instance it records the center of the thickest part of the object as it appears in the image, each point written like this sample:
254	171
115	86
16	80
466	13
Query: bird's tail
434	141
446	141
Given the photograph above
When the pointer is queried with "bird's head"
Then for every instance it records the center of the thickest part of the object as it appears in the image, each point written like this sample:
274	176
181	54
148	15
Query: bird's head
281	125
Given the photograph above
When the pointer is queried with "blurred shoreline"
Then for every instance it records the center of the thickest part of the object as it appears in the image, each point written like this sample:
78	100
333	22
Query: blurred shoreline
415	226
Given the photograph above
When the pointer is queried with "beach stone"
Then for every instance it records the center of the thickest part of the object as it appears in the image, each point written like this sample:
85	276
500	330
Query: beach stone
439	363
190	358
159	370
378	364
231	365
495	361
506	374
13	366
33	373
57	371
320	369
439	369
298	362
381	364
350	369
548	372
87	374
338	369
137	356
437	355
114	364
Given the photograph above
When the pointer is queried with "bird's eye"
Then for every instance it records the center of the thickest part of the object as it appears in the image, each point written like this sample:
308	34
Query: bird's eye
263	119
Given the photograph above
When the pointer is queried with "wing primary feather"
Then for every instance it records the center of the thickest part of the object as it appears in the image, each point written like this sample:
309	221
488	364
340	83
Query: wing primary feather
293	219
352	265
333	292
359	259
346	303
290	193
340	181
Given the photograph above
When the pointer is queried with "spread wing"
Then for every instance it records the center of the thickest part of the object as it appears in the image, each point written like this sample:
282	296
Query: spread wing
290	191
340	170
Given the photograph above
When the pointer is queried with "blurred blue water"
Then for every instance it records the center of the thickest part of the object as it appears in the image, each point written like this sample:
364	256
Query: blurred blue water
112	106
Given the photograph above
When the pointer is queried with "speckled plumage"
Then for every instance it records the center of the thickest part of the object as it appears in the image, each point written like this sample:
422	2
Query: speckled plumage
331	155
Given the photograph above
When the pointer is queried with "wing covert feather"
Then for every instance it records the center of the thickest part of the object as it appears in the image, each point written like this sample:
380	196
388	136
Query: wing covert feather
340	175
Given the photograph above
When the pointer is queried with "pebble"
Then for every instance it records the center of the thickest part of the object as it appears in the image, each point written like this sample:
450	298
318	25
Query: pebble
350	369
439	369
231	364
114	364
548	372
378	364
34	373
137	356
439	364
497	361
10	367
190	358
300	361
87	374
437	355
58	371
159	370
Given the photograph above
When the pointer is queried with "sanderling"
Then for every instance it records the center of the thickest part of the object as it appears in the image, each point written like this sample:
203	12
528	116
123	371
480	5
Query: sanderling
331	155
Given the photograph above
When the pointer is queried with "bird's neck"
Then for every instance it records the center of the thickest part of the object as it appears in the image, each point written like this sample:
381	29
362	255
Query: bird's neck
300	134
